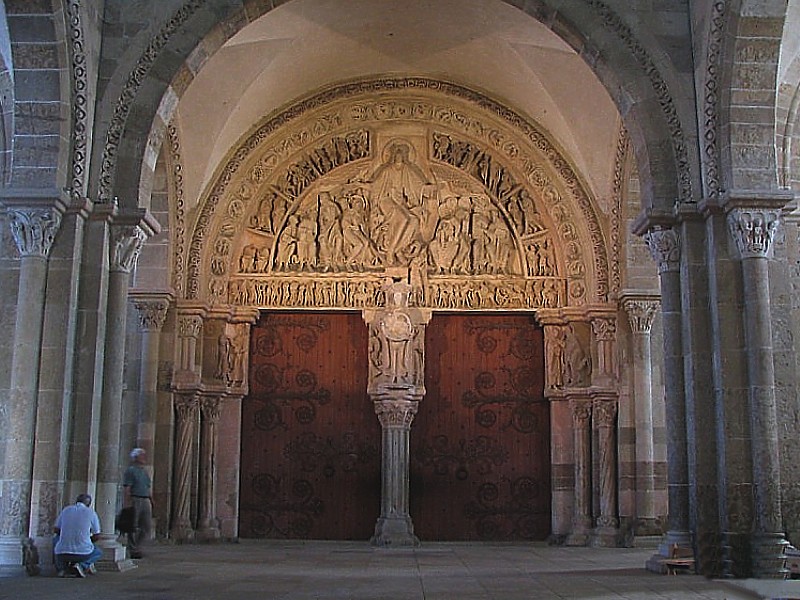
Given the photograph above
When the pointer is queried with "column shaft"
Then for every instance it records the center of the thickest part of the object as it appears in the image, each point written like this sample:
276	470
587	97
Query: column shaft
34	230
582	436
186	409
208	525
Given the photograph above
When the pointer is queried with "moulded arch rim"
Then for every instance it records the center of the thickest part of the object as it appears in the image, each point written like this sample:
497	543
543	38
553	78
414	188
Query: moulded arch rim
537	140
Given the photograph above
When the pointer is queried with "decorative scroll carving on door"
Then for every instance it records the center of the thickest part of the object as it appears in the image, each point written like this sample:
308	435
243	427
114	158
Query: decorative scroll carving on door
310	443
480	445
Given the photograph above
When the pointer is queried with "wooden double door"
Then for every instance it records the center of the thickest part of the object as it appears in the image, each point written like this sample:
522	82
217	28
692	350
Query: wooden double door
311	443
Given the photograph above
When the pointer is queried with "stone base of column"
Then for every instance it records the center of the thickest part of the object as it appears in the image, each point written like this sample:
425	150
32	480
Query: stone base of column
655	564
737	560
648	526
115	556
10	551
182	533
397	531
607	537
581	533
769	556
207	534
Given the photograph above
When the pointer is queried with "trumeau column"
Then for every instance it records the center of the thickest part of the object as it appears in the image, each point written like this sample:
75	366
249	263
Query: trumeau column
753	230
396	385
128	232
664	245
34	223
582	434
641	311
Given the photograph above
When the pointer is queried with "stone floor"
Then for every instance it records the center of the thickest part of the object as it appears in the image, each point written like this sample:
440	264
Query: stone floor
351	570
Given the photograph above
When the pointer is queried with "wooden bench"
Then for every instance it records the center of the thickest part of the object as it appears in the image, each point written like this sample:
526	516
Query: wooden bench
680	559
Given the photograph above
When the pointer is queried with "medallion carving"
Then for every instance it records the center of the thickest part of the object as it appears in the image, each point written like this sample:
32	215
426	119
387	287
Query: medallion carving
471	200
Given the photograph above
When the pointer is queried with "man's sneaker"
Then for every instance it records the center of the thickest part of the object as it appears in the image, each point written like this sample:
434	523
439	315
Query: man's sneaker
79	570
91	570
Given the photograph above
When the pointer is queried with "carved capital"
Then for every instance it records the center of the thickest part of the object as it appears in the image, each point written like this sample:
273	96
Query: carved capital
605	330
186	406
754	230
34	229
396	413
126	243
605	412
641	313
211	407
152	313
190	326
665	248
581	413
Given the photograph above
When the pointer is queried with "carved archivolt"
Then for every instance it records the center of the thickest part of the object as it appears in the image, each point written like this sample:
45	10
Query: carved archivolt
419	179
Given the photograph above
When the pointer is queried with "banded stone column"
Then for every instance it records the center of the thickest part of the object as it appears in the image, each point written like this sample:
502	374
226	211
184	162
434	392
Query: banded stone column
186	411
34	229
208	525
604	413
641	311
664	246
396	385
582	436
126	240
152	312
753	230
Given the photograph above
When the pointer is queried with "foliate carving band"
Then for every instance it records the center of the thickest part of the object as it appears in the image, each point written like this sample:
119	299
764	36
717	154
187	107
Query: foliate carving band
754	231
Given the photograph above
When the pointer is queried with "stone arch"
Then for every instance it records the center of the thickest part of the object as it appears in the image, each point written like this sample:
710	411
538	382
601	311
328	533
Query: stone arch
619	59
40	156
482	158
746	121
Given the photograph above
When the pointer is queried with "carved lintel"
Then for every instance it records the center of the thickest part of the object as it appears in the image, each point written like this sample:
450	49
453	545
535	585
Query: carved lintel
396	413
34	229
665	248
754	230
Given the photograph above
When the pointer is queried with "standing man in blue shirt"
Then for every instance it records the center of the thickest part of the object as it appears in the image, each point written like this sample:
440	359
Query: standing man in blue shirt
136	483
77	528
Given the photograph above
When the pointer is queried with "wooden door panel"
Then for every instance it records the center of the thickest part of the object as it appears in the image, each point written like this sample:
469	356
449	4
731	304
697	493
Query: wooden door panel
480	441
310	437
